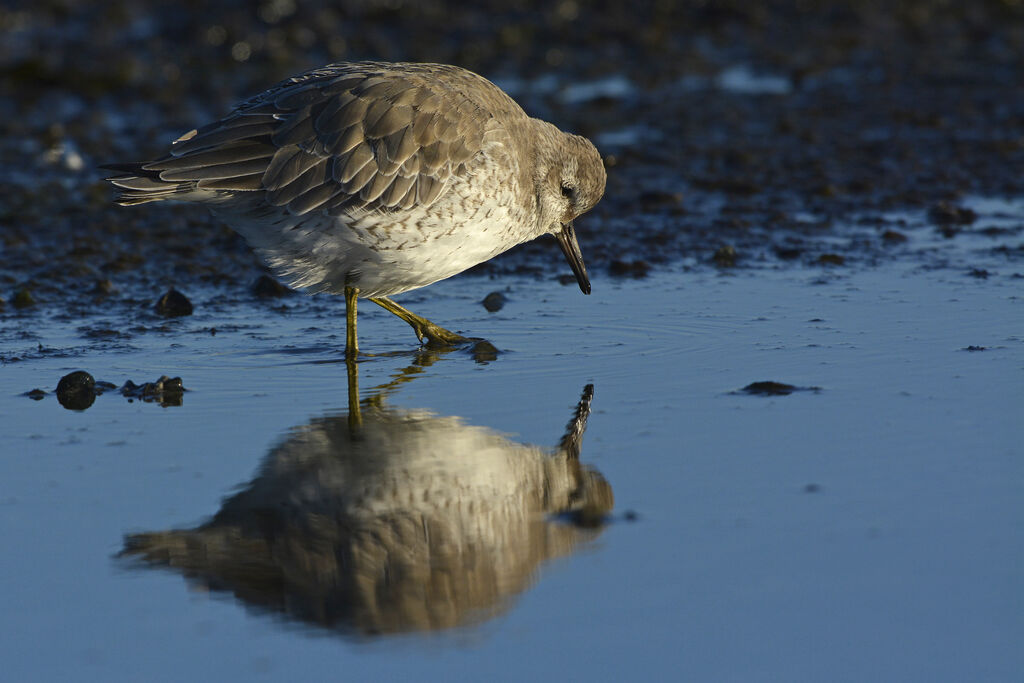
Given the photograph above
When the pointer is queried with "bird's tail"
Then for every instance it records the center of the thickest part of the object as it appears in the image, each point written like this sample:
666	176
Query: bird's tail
139	185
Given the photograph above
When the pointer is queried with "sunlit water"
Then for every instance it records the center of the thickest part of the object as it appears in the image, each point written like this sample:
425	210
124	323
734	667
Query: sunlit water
867	531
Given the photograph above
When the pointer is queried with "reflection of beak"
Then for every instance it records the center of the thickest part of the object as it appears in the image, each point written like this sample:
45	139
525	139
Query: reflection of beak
571	249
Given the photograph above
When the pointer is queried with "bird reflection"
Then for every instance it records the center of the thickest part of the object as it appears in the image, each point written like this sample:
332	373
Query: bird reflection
387	520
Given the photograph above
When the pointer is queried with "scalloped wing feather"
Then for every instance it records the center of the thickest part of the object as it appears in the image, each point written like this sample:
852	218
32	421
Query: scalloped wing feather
359	136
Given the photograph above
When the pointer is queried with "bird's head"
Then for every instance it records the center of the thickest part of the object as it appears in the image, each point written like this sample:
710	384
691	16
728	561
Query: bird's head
569	181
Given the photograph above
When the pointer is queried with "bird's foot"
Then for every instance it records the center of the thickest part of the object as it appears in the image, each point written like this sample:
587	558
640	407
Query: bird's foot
435	336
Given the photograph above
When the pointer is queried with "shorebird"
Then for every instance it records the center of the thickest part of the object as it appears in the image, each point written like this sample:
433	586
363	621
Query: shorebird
369	179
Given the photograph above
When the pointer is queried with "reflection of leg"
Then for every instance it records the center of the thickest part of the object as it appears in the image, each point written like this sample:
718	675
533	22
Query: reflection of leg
355	414
435	335
351	343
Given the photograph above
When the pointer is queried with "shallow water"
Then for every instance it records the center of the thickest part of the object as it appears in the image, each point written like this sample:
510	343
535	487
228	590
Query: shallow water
869	529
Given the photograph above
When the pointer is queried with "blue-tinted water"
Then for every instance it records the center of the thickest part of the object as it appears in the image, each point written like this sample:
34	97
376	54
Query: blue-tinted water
867	531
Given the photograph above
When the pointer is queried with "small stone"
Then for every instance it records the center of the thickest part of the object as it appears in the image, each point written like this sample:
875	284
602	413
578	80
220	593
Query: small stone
894	237
267	287
945	213
77	390
36	394
636	269
23	299
566	279
769	389
484	351
831	259
103	287
173	304
725	256
655	198
979	273
494	302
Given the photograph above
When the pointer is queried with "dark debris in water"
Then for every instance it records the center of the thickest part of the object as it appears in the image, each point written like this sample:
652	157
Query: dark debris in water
636	269
78	390
266	287
945	213
167	391
173	304
483	351
494	302
725	256
771	388
832	259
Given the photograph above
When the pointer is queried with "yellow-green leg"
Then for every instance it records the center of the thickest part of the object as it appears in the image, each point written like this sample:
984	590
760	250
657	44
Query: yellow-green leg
435	335
351	342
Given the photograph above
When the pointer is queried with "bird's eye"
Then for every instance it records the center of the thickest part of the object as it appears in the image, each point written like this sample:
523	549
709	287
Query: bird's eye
568	191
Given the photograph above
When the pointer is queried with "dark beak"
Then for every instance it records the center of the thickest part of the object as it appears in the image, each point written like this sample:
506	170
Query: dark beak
571	249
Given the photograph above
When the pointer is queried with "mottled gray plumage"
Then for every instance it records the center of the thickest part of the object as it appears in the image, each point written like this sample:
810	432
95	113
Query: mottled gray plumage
382	177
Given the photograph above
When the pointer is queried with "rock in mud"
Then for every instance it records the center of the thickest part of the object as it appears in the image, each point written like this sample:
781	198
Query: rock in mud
831	259
267	287
23	299
103	288
36	394
484	351
77	390
167	391
945	213
637	269
174	304
770	388
725	256
494	302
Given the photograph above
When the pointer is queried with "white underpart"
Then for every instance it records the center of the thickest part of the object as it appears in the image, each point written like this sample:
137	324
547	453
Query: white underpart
381	253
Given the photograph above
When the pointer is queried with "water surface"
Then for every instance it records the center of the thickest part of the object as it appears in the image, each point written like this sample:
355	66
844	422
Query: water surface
868	530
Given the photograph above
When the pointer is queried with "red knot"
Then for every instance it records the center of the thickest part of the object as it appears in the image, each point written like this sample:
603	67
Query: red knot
370	179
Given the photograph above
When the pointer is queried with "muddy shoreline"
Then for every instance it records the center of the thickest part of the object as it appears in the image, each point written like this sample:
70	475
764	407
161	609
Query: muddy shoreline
765	130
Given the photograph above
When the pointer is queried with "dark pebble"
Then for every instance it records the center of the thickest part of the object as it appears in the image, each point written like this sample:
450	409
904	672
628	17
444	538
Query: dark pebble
168	391
77	390
655	198
36	394
974	348
173	304
567	279
979	273
23	299
637	269
484	351
769	389
494	302
894	237
103	288
831	259
267	287
725	256
945	213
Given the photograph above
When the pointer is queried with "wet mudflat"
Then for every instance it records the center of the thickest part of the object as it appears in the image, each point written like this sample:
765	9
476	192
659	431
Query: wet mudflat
867	530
